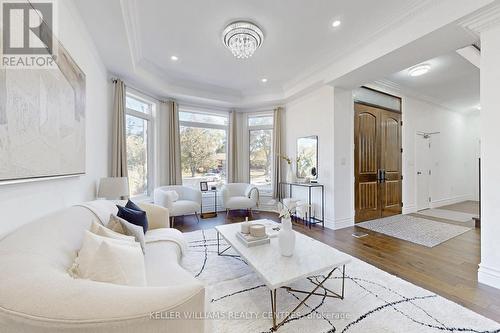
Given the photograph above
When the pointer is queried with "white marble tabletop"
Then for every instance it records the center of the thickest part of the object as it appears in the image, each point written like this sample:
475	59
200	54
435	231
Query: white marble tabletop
310	257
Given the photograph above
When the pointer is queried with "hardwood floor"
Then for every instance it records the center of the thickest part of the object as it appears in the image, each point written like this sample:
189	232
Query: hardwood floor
449	269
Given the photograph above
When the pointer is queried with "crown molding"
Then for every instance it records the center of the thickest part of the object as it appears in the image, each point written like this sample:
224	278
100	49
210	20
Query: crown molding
141	64
482	20
313	77
394	87
397	89
132	30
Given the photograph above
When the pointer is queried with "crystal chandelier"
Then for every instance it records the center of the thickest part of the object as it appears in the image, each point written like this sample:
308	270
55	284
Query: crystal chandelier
242	38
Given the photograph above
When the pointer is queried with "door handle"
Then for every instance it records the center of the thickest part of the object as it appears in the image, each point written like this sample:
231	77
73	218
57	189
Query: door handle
419	172
381	176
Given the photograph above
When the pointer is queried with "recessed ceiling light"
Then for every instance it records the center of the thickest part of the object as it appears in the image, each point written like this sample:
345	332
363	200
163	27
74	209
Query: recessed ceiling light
264	80
419	70
174	58
478	107
336	23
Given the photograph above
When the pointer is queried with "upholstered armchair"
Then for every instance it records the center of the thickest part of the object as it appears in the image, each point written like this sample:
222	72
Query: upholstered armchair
239	196
180	200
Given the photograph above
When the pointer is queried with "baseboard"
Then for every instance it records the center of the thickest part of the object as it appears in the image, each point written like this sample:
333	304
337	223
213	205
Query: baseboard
409	209
339	223
451	201
489	276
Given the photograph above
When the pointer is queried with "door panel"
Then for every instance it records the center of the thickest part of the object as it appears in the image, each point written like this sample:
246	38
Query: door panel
423	171
366	161
390	162
377	137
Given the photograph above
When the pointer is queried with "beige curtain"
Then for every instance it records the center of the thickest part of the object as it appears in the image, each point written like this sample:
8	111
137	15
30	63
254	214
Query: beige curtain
277	149
174	146
119	142
232	149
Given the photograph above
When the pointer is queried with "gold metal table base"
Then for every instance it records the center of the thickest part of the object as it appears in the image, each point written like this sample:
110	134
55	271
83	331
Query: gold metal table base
328	293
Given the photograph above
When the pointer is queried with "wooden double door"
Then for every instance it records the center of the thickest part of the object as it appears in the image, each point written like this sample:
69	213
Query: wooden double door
377	163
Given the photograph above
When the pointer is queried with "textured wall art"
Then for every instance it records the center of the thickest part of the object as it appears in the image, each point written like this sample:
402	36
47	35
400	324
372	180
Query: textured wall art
42	121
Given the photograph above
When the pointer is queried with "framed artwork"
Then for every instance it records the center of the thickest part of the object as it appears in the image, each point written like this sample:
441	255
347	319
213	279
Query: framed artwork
203	186
307	157
42	121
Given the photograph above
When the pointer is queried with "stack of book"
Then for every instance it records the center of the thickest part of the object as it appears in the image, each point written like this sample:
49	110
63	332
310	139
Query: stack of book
250	241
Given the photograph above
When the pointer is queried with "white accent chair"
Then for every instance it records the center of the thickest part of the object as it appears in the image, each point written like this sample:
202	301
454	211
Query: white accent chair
239	196
189	201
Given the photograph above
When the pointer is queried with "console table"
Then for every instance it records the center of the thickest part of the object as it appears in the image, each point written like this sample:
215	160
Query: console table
310	187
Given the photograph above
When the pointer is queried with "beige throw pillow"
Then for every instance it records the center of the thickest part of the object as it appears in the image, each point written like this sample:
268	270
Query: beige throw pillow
120	225
101	230
118	264
91	243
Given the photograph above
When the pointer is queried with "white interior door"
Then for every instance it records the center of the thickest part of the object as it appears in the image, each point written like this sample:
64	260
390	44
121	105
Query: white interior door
423	169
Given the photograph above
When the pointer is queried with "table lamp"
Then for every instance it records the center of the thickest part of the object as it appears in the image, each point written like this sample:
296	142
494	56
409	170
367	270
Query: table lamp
112	188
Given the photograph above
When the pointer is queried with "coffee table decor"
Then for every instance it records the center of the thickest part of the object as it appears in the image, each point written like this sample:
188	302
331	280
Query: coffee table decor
286	235
253	234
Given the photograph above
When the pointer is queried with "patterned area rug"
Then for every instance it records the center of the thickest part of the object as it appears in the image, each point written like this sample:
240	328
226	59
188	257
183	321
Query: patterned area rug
375	301
415	229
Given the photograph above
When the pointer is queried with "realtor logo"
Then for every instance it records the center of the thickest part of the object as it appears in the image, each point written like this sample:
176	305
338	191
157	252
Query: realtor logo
28	37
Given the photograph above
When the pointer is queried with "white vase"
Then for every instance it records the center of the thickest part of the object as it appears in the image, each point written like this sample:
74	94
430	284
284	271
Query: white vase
290	176
286	238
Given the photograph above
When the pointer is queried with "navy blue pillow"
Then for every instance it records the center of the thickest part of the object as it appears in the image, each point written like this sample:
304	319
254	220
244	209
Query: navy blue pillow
137	217
132	205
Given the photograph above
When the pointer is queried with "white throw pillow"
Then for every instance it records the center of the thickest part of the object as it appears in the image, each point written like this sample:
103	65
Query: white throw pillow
120	225
172	195
90	245
101	230
118	264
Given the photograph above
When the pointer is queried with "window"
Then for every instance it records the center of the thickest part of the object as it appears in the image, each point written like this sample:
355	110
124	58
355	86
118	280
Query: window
261	151
139	132
203	147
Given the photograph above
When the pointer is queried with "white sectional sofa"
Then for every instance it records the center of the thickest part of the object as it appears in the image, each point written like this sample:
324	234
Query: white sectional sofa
38	295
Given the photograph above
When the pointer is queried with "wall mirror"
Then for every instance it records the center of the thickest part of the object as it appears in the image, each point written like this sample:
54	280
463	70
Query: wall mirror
307	157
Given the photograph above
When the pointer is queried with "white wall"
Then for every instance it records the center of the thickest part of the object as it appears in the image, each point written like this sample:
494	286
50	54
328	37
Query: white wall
312	114
23	202
489	269
452	155
344	158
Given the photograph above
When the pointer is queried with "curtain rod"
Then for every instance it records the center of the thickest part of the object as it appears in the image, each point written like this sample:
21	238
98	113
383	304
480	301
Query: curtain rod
162	99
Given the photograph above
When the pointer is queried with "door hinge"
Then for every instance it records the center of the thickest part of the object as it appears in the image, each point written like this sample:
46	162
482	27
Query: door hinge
401	123
402	204
401	177
430	172
430	199
401	150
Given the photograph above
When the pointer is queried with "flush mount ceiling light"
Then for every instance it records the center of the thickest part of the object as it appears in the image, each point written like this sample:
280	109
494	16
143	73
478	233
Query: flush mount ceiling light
263	80
336	23
419	70
242	38
174	58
